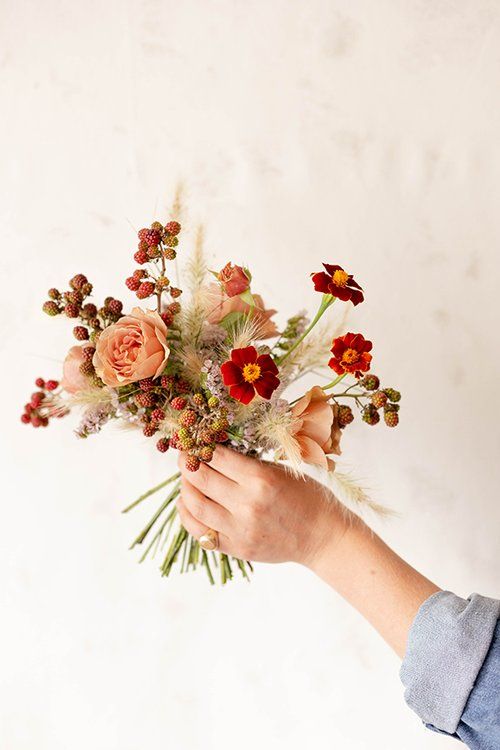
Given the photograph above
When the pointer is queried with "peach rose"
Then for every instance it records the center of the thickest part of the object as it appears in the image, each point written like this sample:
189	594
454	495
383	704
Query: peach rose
317	431
73	380
220	305
132	349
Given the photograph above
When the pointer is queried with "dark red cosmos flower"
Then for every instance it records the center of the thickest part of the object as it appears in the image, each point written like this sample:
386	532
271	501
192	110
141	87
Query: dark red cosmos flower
351	354
247	372
338	283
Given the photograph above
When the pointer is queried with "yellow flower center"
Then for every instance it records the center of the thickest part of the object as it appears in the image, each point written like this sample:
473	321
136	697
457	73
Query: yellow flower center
340	277
350	356
251	373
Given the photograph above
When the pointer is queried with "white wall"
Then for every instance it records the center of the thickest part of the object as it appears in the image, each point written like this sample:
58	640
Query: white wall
363	132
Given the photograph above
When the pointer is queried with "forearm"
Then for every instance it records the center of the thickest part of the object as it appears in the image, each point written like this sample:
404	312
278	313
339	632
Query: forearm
369	575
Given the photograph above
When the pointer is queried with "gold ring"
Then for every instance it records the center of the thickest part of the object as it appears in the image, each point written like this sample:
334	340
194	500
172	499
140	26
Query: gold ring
209	540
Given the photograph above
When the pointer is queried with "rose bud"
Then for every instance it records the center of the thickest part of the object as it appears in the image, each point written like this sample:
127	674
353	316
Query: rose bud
233	279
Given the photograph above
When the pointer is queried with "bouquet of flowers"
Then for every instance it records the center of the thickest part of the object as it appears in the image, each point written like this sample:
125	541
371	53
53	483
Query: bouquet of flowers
211	370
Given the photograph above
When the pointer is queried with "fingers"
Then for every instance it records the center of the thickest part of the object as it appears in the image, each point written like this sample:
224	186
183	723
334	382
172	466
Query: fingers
211	483
206	512
232	464
197	529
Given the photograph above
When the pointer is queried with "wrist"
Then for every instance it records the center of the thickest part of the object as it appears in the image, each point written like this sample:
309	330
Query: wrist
329	528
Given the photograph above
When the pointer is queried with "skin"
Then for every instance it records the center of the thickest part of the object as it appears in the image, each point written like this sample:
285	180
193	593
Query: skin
262	513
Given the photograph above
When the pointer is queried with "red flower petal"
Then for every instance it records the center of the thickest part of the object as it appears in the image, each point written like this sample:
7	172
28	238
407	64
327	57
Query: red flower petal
356	296
336	366
245	356
267	364
321	282
266	385
331	268
243	392
231	373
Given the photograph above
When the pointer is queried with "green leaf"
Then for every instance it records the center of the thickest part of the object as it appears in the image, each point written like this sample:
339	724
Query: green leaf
247	297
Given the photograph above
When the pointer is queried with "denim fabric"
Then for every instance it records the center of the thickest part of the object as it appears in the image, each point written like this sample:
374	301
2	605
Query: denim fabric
479	726
451	670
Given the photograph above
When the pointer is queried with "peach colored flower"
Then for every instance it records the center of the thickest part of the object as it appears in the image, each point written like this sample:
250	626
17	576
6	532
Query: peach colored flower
317	431
219	305
233	279
132	349
73	380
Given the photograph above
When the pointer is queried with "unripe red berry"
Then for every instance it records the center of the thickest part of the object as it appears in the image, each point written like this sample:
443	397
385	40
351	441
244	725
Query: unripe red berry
392	394
80	333
169	253
88	353
146	384
162	283
370	382
167	318
344	415
199	399
144	399
50	308
379	399
86	289
175	292
115	307
173	227
174	308
206	454
157	415
371	415
141	257
54	293
174	441
188	418
146	289
183	386
149	429
156	226
149	236
78	281
87	368
153	252
140	273
391	418
178	403
169	240
162	445
206	436
71	310
133	283
40	383
51	385
192	463
167	381
142	245
89	310
213	402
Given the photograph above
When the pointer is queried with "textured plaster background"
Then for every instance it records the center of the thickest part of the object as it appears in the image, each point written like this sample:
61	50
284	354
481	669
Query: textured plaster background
359	132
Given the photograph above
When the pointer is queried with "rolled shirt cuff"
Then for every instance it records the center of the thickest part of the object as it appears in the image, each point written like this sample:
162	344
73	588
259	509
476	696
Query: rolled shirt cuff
447	645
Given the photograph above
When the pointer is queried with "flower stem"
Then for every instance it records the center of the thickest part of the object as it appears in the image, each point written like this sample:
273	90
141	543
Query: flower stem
334	382
151	492
326	301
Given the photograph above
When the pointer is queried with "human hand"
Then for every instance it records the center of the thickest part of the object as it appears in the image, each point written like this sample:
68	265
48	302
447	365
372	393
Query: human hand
260	511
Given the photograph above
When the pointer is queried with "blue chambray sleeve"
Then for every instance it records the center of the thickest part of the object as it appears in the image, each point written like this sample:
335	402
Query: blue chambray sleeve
451	669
